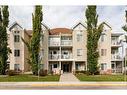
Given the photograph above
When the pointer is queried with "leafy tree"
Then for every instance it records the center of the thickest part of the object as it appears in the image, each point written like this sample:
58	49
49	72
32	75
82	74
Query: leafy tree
34	44
4	50
125	26
93	34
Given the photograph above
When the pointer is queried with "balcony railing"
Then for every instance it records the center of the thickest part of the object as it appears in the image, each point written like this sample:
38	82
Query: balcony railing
63	43
115	43
54	43
116	57
59	56
66	42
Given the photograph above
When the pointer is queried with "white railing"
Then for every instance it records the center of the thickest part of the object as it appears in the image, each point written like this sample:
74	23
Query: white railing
60	56
54	56
115	43
63	43
66	42
51	43
116	57
69	56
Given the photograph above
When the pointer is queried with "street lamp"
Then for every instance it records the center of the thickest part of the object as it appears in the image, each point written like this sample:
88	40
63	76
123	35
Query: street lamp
124	63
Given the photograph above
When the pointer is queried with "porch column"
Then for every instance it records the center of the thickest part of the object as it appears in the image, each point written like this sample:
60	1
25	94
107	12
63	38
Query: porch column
60	67
73	67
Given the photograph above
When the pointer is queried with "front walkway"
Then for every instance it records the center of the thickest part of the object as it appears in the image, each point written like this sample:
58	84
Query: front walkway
68	77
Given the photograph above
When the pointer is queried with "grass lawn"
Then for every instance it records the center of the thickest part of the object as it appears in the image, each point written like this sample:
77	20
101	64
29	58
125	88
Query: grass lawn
29	78
83	77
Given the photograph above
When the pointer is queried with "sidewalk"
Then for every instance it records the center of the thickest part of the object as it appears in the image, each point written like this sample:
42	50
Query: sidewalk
68	77
63	85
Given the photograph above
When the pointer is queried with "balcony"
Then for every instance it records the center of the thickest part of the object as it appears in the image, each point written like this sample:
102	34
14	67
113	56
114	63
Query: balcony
115	43
59	56
54	43
66	42
116	57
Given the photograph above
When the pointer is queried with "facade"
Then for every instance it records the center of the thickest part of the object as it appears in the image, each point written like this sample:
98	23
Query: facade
64	50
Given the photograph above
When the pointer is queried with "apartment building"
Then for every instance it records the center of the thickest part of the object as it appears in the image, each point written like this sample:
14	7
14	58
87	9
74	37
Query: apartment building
64	50
18	58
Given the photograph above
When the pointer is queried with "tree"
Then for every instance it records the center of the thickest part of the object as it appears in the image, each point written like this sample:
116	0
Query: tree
34	44
4	20
93	34
125	26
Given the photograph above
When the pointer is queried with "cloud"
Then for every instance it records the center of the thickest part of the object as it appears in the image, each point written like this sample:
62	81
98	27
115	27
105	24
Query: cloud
21	14
67	16
113	15
63	16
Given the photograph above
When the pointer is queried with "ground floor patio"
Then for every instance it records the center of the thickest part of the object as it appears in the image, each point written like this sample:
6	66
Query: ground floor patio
59	67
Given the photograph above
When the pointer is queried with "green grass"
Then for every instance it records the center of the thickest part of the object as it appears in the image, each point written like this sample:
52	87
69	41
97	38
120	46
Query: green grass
29	78
83	77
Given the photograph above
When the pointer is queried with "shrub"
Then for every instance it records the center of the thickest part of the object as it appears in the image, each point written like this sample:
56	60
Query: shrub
80	72
88	73
97	73
125	72
11	72
43	72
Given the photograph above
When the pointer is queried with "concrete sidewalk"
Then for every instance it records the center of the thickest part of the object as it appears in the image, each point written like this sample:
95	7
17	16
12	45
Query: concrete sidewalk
63	85
68	77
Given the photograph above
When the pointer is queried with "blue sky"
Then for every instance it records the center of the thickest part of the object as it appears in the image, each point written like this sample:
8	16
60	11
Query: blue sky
67	16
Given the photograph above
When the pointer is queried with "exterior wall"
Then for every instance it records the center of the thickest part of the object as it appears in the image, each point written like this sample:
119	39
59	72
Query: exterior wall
79	45
44	47
106	44
44	50
26	37
17	45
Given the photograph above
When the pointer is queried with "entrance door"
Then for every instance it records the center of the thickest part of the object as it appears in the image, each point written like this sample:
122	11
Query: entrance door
65	67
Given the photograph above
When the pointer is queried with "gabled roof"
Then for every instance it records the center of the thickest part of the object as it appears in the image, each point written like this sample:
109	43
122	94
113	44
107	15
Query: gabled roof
105	23
57	31
45	26
79	23
13	24
29	32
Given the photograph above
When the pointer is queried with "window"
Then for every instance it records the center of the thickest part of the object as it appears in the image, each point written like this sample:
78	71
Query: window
103	52
42	52
17	53
102	38
103	66
16	67
78	66
16	32
79	52
113	66
79	37
16	38
55	66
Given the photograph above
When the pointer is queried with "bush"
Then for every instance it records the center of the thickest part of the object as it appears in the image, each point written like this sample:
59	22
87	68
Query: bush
80	72
88	73
43	72
11	72
97	73
125	72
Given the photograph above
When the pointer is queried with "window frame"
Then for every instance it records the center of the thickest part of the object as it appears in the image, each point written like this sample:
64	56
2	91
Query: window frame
79	53
17	52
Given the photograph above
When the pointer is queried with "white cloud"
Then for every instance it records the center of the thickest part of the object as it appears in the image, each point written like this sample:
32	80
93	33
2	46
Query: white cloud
21	14
113	15
67	16
63	16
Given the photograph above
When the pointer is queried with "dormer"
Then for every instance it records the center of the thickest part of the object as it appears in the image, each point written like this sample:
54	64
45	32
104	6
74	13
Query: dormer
15	28
79	26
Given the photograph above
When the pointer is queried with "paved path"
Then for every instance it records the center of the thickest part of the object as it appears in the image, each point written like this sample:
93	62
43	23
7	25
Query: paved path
68	77
63	85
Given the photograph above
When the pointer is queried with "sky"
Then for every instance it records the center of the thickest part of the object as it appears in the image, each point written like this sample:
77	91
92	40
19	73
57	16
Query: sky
68	16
